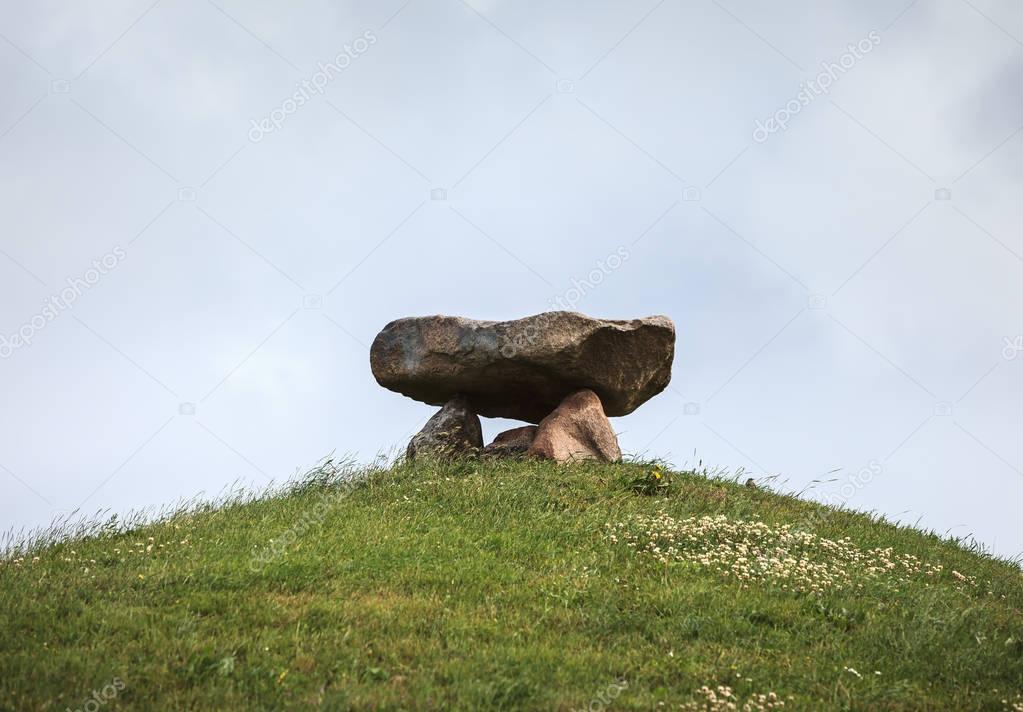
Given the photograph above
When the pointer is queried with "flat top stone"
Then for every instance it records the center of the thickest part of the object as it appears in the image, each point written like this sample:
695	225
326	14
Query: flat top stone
524	368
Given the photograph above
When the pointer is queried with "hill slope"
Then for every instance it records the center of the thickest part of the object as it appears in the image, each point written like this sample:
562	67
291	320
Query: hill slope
514	585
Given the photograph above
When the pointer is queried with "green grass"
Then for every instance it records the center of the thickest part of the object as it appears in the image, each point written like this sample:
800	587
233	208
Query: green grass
484	586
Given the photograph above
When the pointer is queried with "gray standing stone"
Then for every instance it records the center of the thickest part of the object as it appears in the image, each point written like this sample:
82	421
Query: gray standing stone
453	431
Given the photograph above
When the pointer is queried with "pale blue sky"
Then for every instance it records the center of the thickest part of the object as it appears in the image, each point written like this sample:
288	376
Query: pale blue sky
846	292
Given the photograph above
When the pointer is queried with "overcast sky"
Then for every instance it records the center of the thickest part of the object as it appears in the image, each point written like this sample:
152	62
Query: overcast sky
239	195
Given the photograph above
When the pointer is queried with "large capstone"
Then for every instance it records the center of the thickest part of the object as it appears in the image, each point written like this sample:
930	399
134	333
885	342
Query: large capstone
524	369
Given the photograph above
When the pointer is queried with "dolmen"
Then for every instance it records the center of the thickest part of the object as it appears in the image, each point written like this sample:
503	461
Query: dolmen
564	372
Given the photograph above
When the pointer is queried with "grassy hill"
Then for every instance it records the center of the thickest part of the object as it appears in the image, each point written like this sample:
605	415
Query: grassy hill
511	585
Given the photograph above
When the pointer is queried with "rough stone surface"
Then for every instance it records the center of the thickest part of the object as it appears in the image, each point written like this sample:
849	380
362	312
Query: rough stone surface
512	443
523	369
577	430
453	430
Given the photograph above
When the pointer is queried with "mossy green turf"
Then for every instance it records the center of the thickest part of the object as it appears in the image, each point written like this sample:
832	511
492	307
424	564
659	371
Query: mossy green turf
484	586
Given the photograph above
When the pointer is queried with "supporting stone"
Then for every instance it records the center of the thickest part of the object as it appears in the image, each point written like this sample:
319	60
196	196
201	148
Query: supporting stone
453	431
511	443
577	430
